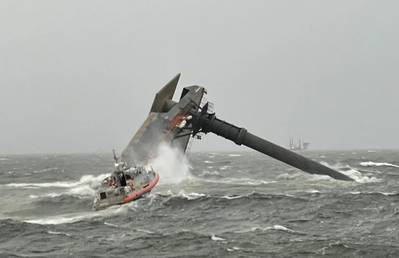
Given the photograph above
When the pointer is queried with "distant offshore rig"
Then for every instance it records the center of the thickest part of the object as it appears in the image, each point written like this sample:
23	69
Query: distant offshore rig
297	147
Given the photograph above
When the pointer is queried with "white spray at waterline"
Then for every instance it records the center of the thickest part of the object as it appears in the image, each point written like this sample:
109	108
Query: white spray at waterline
171	165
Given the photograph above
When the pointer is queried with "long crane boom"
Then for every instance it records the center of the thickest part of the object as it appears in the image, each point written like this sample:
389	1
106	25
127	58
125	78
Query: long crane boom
210	123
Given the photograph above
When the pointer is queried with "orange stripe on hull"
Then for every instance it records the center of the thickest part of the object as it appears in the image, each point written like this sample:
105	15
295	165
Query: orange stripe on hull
138	194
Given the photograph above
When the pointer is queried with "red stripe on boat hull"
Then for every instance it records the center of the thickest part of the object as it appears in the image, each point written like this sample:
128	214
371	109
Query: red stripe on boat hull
138	194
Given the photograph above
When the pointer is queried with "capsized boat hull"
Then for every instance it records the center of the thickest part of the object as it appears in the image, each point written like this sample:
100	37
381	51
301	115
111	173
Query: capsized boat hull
111	195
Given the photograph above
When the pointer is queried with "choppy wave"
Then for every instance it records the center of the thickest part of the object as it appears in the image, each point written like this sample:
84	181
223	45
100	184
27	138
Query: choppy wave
274	227
359	177
352	173
372	193
58	233
279	227
237	181
76	217
79	191
111	225
232	197
191	196
225	167
84	180
288	176
62	219
312	191
234	248
47	195
347	170
61	184
216	238
45	170
209	173
252	195
184	195
234	155
84	188
214	215
377	164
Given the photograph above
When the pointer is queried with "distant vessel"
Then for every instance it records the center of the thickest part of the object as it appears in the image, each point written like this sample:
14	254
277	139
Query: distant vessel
300	146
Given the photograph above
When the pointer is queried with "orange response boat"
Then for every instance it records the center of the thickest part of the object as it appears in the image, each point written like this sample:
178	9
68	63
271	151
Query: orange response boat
125	186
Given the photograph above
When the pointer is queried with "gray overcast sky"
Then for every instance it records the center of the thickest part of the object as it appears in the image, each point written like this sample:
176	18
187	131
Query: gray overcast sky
80	76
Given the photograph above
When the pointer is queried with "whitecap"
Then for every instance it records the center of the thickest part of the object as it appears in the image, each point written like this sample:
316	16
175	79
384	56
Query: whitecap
355	192
232	197
377	164
58	233
287	176
50	195
83	190
57	220
191	196
79	191
388	194
359	177
313	191
215	238
209	173
383	193
236	181
45	170
275	227
257	182
352	173
320	177
60	184
111	225
234	155
86	179
144	231
245	181
234	248
75	217
279	227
